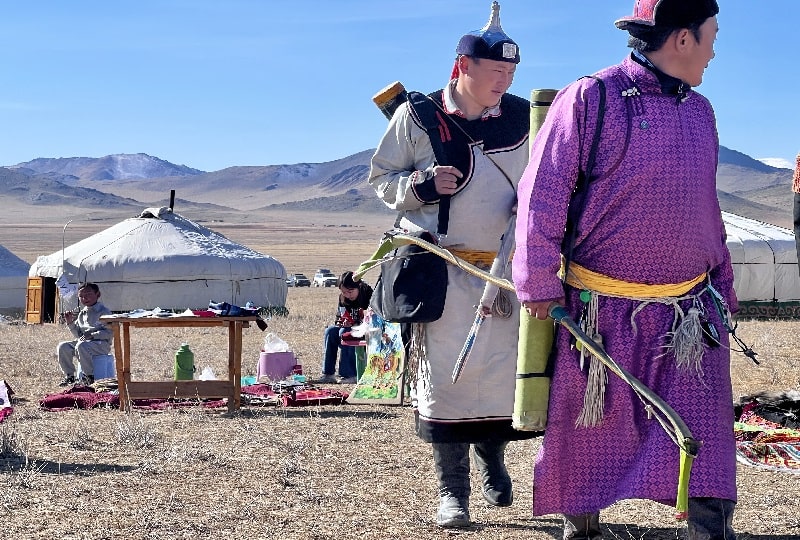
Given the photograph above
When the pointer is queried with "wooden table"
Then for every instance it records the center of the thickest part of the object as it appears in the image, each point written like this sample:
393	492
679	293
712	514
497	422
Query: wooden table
129	390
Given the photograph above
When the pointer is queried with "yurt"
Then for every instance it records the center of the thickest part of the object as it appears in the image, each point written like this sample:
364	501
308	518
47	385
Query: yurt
13	279
766	275
161	259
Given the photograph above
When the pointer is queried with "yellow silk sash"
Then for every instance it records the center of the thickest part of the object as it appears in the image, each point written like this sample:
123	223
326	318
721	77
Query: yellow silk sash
474	256
583	278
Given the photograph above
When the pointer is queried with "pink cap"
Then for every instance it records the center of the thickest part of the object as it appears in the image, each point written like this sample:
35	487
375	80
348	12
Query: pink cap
677	13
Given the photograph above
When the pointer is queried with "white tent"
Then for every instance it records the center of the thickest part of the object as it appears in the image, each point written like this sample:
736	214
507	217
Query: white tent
13	280
764	258
161	259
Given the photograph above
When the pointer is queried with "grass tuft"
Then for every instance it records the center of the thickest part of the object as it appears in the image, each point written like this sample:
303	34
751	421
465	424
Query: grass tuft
132	430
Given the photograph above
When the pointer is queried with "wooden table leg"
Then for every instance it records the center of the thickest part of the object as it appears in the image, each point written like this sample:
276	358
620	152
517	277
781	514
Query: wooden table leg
237	367
118	360
232	366
126	364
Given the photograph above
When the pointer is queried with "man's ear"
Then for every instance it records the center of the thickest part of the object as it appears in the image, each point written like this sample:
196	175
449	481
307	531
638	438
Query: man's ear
682	39
463	64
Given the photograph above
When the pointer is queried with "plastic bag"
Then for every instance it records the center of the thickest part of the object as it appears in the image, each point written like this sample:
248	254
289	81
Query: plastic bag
361	329
208	374
272	343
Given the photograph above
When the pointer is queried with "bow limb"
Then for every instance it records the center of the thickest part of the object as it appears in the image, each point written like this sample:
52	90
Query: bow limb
677	429
384	247
672	423
399	239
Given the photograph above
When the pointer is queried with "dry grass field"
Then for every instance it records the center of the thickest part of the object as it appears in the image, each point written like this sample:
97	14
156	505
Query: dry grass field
268	472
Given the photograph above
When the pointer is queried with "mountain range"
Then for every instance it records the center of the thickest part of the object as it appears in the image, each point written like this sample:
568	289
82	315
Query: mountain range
745	185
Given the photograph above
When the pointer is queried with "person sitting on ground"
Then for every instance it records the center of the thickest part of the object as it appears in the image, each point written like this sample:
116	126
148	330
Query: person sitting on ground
93	337
353	300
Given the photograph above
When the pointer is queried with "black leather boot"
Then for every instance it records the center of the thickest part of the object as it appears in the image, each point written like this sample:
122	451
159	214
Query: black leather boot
710	519
452	470
582	527
489	458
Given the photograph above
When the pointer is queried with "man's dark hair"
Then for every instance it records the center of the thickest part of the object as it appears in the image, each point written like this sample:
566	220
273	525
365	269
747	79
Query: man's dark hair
652	38
91	286
473	58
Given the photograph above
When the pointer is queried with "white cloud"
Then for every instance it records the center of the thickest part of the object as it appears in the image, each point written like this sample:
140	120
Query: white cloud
777	162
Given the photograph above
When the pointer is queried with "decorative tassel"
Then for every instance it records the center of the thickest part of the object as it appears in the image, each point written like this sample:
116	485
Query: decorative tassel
416	352
686	342
594	397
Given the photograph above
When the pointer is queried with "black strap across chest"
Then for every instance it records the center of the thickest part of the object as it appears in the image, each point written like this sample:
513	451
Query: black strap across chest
425	111
578	200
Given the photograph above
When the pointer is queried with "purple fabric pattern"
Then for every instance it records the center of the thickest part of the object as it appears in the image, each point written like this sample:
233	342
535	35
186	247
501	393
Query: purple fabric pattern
651	216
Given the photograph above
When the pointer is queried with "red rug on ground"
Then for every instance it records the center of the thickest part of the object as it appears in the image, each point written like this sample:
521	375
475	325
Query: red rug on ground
293	396
84	397
78	397
5	400
313	396
766	445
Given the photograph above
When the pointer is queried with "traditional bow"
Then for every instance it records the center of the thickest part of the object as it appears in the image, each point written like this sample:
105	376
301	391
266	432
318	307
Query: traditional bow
672	423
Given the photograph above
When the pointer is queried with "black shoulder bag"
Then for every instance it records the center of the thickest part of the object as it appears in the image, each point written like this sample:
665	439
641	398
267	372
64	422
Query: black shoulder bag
412	286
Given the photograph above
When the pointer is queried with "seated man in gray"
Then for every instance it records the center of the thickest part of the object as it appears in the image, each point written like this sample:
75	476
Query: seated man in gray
93	338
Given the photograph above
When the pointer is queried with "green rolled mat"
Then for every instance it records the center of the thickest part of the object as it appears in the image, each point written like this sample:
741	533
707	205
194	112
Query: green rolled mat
541	99
532	390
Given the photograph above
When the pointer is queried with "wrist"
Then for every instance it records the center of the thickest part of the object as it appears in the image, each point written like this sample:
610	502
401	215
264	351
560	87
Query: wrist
424	186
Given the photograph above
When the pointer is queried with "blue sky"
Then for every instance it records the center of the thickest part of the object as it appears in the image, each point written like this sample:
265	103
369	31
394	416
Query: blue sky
217	83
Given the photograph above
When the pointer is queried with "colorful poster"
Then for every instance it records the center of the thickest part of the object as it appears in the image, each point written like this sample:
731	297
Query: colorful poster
383	378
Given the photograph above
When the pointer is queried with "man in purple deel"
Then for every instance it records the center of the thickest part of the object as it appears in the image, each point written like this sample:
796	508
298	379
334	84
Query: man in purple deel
646	258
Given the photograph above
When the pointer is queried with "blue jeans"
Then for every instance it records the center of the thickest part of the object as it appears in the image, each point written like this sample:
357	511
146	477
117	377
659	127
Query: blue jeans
332	342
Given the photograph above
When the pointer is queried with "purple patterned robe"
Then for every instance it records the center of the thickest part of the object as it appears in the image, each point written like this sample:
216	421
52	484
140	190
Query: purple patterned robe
651	216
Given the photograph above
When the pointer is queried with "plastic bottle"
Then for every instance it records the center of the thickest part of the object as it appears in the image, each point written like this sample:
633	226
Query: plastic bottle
184	363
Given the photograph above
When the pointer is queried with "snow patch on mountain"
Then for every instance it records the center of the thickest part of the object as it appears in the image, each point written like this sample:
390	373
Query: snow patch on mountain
779	163
285	172
112	167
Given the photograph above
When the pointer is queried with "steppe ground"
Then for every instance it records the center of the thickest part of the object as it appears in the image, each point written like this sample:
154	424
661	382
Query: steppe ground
295	473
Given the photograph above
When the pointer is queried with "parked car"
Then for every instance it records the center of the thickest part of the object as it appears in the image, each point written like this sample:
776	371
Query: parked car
298	280
324	279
